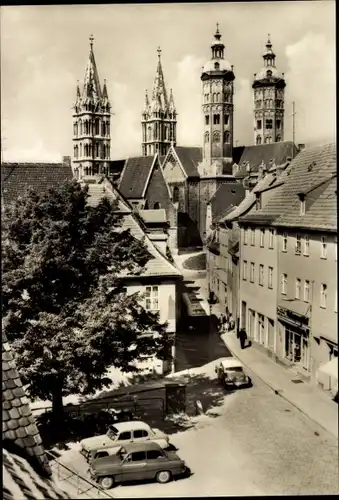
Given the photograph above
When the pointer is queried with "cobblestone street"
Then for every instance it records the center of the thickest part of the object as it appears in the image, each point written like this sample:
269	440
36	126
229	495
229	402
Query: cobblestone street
254	444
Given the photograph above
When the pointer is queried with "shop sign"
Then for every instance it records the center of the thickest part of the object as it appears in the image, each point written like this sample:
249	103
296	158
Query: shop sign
292	316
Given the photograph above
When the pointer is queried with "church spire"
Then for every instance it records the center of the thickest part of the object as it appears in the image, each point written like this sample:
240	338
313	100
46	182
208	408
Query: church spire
158	117
92	89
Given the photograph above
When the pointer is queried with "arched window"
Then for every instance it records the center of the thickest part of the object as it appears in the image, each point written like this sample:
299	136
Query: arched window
108	128
216	119
76	173
269	73
207	137
97	127
216	65
75	129
267	140
149	133
156	205
86	170
80	127
97	150
176	194
86	149
90	152
226	136
216	136
102	152
278	138
103	127
75	151
258	139
214	97
80	149
218	97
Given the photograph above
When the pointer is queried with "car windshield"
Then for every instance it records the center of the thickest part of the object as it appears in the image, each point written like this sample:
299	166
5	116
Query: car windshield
237	369
112	432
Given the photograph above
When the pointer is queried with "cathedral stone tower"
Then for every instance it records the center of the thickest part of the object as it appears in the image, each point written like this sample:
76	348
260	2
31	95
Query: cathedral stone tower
268	94
159	118
217	106
91	124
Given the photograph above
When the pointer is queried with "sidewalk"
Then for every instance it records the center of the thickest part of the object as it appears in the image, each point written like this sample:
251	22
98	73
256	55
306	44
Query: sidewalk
309	399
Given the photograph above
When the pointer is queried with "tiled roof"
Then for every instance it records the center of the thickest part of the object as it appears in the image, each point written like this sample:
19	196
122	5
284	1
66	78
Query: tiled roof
153	216
16	178
226	195
20	480
135	175
254	155
158	265
18	424
189	158
307	171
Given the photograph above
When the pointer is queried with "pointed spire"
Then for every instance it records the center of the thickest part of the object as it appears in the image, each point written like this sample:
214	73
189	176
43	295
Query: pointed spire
146	105
159	89
217	35
92	88
171	103
104	90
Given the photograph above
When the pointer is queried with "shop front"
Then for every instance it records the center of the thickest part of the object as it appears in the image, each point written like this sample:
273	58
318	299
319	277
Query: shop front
296	342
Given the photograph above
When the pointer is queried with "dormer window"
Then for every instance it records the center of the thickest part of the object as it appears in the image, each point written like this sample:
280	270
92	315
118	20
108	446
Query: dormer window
258	201
216	65
269	73
302	204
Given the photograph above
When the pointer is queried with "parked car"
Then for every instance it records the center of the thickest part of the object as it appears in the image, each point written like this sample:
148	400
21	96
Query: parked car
120	434
230	372
137	461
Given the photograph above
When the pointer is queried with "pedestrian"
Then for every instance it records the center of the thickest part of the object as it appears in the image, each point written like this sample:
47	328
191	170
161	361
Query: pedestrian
227	325
231	322
221	322
243	338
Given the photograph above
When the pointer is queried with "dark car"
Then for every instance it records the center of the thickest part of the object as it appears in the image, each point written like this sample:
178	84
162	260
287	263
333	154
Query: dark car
137	461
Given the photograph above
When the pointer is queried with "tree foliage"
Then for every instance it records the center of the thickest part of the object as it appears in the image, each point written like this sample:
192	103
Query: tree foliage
64	306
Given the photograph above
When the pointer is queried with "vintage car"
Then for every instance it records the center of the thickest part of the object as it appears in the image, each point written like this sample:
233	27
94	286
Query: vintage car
230	372
120	434
137	461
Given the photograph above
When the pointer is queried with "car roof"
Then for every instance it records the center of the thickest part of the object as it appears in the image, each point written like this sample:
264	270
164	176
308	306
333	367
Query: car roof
145	446
231	363
131	425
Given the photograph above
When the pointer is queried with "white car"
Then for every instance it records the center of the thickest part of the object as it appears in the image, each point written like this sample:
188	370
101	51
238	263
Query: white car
118	435
230	371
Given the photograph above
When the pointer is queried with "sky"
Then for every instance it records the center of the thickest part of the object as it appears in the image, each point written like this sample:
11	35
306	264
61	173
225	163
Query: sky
44	51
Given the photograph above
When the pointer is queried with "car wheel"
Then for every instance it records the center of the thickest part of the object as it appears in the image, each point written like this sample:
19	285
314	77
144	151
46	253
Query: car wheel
106	482
163	476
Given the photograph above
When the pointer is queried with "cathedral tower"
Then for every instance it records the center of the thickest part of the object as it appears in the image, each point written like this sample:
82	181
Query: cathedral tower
159	118
268	95
217	106
91	124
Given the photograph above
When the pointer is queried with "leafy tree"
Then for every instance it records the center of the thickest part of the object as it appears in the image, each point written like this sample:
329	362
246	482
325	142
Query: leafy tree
64	306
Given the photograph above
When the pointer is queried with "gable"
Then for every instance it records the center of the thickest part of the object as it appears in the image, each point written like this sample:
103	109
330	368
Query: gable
172	170
157	190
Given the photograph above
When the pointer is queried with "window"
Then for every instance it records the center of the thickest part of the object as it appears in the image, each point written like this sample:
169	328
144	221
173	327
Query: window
269	124
306	245
262	237
253	237
227	136
298	245
258	124
245	236
138	456
284	243
154	454
101	454
261	275
175	194
284	284
252	270
207	137
307	291
244	270
152	298
216	119
297	288
323	248
278	121
258	139
302	207
323	296
207	120
226	118
271	238
270	277
156	205
124	436
140	433
216	66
